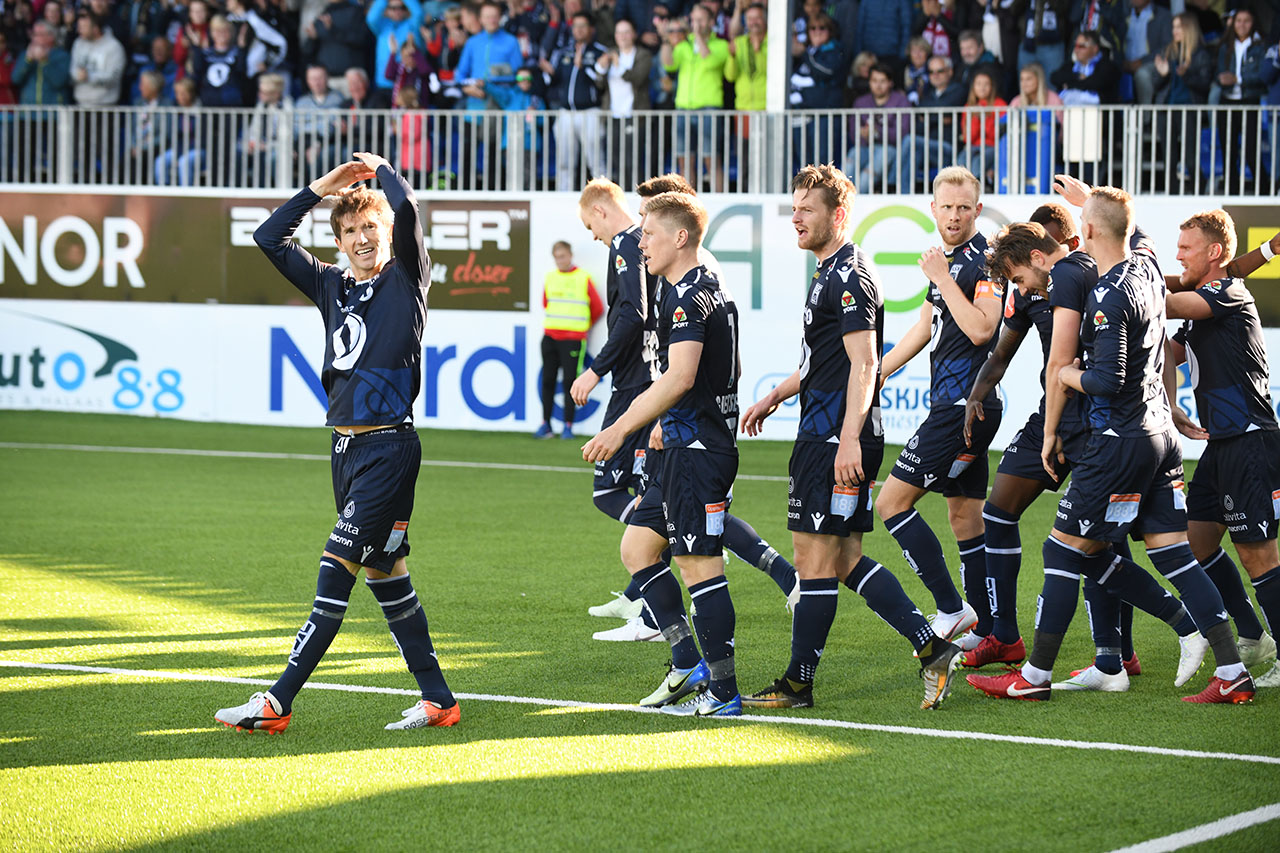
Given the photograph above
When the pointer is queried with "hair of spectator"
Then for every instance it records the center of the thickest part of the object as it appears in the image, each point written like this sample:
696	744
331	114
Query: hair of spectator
668	183
187	85
957	176
156	78
822	19
760	7
93	17
601	191
1013	245
359	72
494	3
219	22
881	68
1092	37
969	35
1218	226
586	16
271	82
832	184
356	202
1111	209
680	210
921	42
1057	214
1180	53
945	60
42	27
1038	70
561	244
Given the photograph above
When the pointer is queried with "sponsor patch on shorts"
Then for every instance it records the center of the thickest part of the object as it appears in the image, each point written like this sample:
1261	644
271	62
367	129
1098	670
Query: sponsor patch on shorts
1275	502
1122	509
962	462
637	464
844	500
397	536
1179	496
715	519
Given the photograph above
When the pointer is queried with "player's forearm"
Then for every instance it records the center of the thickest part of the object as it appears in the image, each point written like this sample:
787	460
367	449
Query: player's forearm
654	402
626	333
1252	261
784	390
1055	401
907	348
276	232
406	229
972	320
859	394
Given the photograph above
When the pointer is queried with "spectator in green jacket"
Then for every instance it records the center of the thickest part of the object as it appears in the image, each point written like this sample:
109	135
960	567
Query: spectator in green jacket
699	60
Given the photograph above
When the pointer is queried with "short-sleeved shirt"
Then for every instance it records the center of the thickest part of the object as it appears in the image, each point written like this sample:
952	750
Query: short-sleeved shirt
844	296
1227	355
629	354
697	308
954	360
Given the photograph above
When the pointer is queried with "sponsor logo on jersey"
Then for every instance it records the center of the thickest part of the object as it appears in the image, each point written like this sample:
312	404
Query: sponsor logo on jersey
846	299
817	292
679	316
619	264
913	442
955	269
1213	287
1099	320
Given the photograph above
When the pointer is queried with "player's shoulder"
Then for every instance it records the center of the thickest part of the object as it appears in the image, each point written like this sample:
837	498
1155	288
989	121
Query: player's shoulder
972	253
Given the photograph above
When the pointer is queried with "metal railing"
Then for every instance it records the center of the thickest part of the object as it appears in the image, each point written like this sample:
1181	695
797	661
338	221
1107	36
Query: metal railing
1150	150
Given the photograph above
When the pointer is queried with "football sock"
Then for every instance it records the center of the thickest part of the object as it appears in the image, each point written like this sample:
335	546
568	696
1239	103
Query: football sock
1004	559
714	622
1126	609
1226	656
810	625
1103	610
923	553
1226	577
1267	588
973	577
1056	604
616	503
408	624
750	547
1178	565
333	592
632	592
663	596
1135	585
880	589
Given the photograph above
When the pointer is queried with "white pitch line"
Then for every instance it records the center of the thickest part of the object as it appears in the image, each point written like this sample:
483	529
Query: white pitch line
1206	831
635	709
316	457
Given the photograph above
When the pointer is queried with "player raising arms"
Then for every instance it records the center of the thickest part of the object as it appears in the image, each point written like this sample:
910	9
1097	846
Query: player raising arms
374	316
838	448
958	322
1236	487
1130	476
697	398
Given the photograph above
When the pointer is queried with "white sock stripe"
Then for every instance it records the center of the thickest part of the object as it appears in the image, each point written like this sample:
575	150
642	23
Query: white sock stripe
665	571
867	577
819	592
973	550
628	509
1110	569
1218	555
1059	543
703	592
1163	548
1062	574
999	520
903	522
1177	572
385	604
598	492
372	581
1004	550
332	601
331	564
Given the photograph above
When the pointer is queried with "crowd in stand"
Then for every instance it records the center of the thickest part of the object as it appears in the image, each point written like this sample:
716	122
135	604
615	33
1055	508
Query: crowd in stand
600	64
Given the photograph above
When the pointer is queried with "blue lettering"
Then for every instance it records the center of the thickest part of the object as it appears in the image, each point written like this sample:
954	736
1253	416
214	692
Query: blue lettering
76	362
514	360
283	347
434	360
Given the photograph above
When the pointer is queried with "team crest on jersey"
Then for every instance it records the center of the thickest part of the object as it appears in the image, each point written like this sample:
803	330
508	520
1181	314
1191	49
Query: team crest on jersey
846	299
955	269
349	510
619	264
817	292
679	316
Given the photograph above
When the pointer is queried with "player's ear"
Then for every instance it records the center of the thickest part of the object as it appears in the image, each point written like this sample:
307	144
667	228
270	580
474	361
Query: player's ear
1073	243
977	209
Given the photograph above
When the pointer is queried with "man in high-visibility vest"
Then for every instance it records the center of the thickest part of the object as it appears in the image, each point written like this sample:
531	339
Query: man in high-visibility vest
572	305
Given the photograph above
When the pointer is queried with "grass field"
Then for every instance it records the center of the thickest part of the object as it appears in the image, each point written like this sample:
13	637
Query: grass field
204	565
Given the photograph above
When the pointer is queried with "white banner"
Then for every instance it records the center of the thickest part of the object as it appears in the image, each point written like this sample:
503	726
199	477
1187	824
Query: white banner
260	364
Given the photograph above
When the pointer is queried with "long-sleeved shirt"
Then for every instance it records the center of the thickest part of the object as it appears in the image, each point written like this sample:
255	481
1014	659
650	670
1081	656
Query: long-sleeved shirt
385	29
487	56
43	82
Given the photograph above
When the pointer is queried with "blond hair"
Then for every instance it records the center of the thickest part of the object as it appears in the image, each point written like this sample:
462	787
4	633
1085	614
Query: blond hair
1218	226
601	191
1111	209
957	176
680	210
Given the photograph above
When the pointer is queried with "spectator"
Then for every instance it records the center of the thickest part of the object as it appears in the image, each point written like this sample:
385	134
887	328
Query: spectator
112	17
574	88
412	145
97	64
53	14
1209	15
915	79
698	62
933	145
1091	78
528	21
1106	18
860	76
141	21
1033	91
393	23
1240	59
572	306
973	55
42	75
336	39
980	126
642	14
269	50
7	63
1045	34
747	65
1148	32
444	42
314	119
1184	70
220	69
194	35
817	84
626	71
262	137
873	159
884	28
489	59
937	29
146	125
559	32
160	59
409	66
184	160
525	99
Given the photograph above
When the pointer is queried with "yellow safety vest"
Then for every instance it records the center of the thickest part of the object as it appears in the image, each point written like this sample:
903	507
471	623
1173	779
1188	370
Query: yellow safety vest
568	303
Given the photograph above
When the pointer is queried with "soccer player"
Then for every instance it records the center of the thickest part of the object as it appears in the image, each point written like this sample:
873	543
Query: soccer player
1236	487
839	447
630	354
1030	257
697	398
1130	476
374	315
958	322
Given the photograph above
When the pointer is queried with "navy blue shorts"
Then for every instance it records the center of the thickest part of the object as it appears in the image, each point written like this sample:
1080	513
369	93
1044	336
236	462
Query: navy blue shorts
687	501
815	504
937	459
1237	483
1125	485
648	512
374	475
625	469
1022	457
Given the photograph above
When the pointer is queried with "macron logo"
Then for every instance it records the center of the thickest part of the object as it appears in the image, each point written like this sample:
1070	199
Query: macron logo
1099	292
689	539
1263	525
818	518
617	241
617	475
1085	524
682	289
928	479
844	274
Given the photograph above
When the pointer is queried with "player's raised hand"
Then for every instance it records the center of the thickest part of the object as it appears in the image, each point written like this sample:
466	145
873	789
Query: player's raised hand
603	446
340	177
933	263
753	417
373	161
972	409
582	386
1188	427
1073	190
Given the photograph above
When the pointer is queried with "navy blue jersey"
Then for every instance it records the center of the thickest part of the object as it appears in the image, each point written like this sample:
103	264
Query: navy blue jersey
631	352
696	308
1122	377
373	329
844	296
1228	359
954	360
1070	281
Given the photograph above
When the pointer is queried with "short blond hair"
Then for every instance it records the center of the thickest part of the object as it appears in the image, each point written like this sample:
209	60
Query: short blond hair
681	210
958	176
600	191
355	202
1218	226
1111	209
